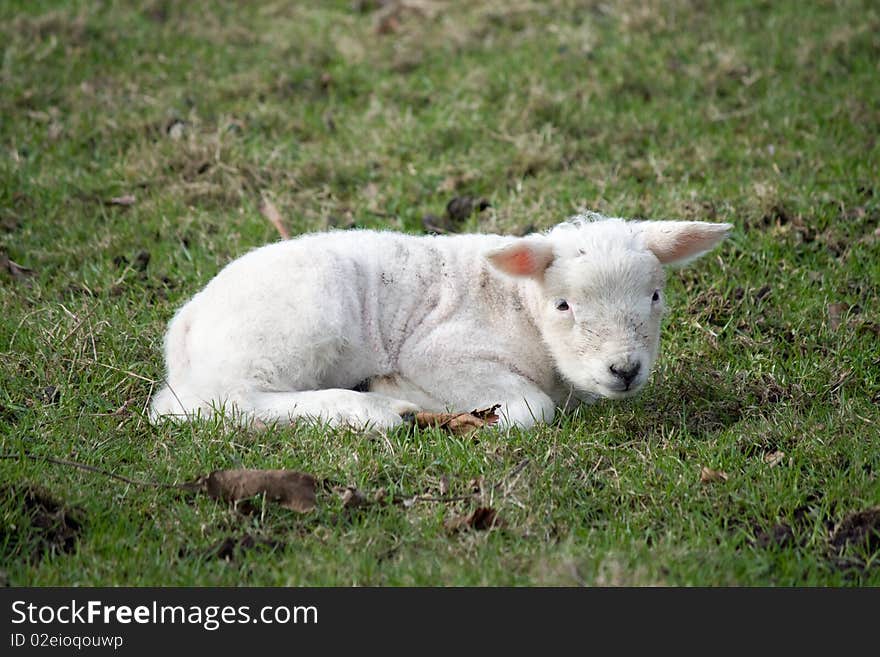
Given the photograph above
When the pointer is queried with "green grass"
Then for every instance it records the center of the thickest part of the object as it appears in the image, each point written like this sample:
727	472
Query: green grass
763	114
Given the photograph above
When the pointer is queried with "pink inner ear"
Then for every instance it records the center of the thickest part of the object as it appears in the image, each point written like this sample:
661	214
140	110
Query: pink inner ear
685	245
521	262
681	242
525	258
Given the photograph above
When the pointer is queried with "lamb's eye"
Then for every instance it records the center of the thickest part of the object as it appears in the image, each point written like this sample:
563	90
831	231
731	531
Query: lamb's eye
656	297
561	305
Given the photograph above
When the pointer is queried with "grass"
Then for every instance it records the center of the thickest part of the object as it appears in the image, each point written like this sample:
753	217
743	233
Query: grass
759	113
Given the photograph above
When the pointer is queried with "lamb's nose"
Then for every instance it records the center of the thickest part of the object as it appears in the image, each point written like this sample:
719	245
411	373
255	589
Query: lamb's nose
626	372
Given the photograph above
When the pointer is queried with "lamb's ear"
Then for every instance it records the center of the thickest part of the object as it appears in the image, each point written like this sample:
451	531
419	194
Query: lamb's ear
680	242
527	256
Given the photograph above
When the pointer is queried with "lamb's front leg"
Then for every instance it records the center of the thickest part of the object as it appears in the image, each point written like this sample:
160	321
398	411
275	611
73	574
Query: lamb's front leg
466	386
524	405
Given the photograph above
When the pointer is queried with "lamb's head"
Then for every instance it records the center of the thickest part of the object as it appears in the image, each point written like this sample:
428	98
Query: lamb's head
599	286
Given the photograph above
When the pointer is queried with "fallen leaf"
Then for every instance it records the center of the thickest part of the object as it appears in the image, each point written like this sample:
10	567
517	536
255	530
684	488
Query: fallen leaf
126	200
710	476
293	490
352	497
836	311
17	271
774	458
458	424
268	210
458	210
479	519
462	207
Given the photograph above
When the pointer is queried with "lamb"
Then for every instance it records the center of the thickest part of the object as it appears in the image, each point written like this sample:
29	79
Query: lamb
359	328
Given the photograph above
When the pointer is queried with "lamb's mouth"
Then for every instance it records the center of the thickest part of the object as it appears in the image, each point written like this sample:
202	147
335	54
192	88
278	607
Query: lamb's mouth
621	394
598	389
620	391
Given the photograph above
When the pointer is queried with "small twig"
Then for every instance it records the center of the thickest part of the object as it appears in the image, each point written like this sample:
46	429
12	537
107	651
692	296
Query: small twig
91	468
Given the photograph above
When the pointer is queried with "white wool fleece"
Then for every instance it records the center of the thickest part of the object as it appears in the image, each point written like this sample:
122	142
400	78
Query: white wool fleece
434	323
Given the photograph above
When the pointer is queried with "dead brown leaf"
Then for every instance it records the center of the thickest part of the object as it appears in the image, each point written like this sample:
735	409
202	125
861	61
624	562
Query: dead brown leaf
291	489
462	207
268	210
710	476
458	210
458	424
352	497
17	271
480	519
774	458
836	311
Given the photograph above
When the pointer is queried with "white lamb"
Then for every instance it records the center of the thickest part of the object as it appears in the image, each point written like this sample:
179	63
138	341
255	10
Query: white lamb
360	327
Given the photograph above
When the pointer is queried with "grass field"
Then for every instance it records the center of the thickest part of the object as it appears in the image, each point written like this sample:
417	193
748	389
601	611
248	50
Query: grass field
137	142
